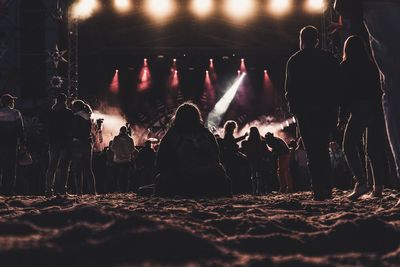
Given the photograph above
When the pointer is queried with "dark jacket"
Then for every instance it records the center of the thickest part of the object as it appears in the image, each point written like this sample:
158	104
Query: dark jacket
312	81
82	128
361	82
11	127
59	125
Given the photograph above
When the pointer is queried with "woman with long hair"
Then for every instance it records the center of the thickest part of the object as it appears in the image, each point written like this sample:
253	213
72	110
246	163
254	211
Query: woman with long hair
361	99
188	158
256	148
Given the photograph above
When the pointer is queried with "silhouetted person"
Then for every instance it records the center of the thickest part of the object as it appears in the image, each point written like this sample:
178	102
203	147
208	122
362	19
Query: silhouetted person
311	82
361	98
188	159
82	147
230	142
381	17
235	163
281	150
110	184
382	20
11	135
300	156
145	164
123	149
255	151
60	140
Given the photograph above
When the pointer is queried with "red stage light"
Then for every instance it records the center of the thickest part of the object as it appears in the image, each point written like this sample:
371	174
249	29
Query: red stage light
114	85
243	65
144	77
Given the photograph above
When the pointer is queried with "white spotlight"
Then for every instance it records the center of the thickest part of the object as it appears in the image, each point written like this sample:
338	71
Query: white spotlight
122	5
279	7
239	9
316	5
214	117
83	9
202	7
160	9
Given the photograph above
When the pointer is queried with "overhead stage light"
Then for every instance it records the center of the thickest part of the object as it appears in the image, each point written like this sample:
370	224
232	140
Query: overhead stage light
316	5
83	9
279	7
202	7
122	5
239	9
160	9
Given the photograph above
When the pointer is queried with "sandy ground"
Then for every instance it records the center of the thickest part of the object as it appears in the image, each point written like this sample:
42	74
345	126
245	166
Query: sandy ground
126	230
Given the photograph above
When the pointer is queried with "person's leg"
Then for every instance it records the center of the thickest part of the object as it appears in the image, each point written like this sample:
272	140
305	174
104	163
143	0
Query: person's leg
287	175
87	169
62	177
281	175
314	130
376	153
54	156
9	164
77	158
351	140
383	23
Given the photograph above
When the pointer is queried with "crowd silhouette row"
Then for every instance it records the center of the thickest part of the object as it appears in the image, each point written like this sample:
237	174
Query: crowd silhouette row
191	161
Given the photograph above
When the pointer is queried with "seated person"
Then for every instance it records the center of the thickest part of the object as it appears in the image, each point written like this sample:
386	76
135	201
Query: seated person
188	159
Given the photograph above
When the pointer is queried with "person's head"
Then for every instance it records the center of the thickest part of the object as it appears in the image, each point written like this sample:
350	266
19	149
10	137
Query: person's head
61	99
355	49
8	100
230	127
79	105
187	117
269	137
308	37
254	134
123	130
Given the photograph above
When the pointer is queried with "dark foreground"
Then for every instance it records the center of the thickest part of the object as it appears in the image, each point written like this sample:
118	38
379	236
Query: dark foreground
122	230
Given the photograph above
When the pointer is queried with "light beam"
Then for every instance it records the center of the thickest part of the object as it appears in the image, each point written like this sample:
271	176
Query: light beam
215	116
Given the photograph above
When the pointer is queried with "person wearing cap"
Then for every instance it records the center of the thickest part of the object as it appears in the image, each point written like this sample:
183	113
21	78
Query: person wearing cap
11	135
59	130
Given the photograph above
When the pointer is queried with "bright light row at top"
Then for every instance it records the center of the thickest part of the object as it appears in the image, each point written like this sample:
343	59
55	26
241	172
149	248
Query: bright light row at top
236	9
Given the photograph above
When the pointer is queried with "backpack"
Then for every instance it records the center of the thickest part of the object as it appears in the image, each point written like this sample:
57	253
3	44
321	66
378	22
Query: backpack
196	153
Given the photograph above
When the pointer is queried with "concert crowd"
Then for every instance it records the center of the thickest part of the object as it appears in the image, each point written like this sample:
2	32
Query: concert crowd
324	95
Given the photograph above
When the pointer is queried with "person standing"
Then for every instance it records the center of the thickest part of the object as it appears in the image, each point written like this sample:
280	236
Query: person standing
282	151
312	78
382	20
59	127
11	135
123	149
361	98
82	147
